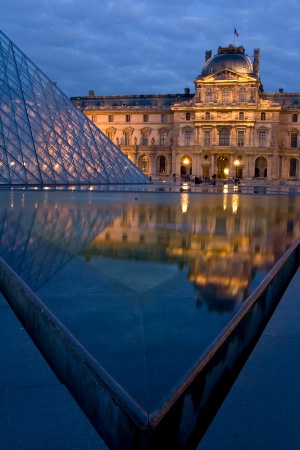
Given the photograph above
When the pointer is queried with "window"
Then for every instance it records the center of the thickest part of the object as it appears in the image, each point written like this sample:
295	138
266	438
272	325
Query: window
128	118
94	119
207	116
161	164
187	137
241	138
207	137
127	136
294	140
225	95
242	95
146	117
188	116
163	138
164	117
262	138
110	135
293	167
241	116
208	95
144	138
110	118
224	136
295	118
143	163
263	116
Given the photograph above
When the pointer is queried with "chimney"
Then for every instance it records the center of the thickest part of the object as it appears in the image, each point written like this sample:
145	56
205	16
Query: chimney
91	93
186	91
207	55
256	61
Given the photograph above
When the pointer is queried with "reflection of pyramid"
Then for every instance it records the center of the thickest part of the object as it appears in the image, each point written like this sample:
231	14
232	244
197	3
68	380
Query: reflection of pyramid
44	138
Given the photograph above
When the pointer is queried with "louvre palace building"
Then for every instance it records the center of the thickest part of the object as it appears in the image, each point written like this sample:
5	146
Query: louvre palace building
228	127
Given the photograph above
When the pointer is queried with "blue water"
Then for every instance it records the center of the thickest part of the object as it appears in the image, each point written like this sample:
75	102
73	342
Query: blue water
145	280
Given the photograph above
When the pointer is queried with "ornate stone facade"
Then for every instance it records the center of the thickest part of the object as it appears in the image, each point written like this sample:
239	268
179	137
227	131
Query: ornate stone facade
228	126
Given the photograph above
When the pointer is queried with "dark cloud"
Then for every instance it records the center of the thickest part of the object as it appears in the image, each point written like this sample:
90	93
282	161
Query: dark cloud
151	46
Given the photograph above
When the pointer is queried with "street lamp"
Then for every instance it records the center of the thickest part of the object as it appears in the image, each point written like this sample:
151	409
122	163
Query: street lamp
186	162
236	163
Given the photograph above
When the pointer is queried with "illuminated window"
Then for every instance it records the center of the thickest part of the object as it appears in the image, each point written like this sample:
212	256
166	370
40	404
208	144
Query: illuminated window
294	140
144	163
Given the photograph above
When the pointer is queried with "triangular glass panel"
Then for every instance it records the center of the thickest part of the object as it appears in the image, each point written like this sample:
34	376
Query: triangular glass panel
45	138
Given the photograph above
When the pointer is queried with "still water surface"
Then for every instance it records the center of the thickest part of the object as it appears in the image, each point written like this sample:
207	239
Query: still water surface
145	281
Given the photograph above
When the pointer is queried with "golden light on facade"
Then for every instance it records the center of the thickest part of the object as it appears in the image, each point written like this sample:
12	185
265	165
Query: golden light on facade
226	171
236	163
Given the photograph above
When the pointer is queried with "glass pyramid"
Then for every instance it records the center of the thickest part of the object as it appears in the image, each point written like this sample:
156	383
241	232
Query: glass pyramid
44	138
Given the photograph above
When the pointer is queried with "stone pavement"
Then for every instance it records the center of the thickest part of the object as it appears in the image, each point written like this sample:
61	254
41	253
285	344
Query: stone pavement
261	411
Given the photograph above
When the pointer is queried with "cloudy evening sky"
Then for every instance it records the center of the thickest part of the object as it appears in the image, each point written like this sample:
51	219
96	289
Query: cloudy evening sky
151	46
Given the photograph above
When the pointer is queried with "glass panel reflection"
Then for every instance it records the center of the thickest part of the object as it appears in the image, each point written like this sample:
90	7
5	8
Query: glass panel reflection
145	281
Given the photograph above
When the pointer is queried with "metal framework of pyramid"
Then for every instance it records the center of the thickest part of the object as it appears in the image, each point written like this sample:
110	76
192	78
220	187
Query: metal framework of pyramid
44	138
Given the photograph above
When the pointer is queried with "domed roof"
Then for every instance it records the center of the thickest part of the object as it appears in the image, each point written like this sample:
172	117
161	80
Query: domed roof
228	58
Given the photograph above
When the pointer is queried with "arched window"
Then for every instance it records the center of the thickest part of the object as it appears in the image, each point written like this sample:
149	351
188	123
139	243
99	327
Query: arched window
161	165
242	95
144	163
225	95
224	136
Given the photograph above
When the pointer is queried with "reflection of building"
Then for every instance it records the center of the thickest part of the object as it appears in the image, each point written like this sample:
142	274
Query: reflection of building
229	126
223	247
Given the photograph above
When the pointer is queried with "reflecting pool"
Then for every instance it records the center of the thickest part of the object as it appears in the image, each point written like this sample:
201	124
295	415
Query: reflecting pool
145	280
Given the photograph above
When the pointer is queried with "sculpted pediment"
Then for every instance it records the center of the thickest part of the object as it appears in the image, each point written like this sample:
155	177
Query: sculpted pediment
228	75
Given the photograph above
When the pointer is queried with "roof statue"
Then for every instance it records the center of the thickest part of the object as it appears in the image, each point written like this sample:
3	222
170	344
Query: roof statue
44	138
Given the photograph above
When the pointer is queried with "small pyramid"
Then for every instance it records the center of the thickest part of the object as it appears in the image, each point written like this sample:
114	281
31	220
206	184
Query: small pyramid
44	138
